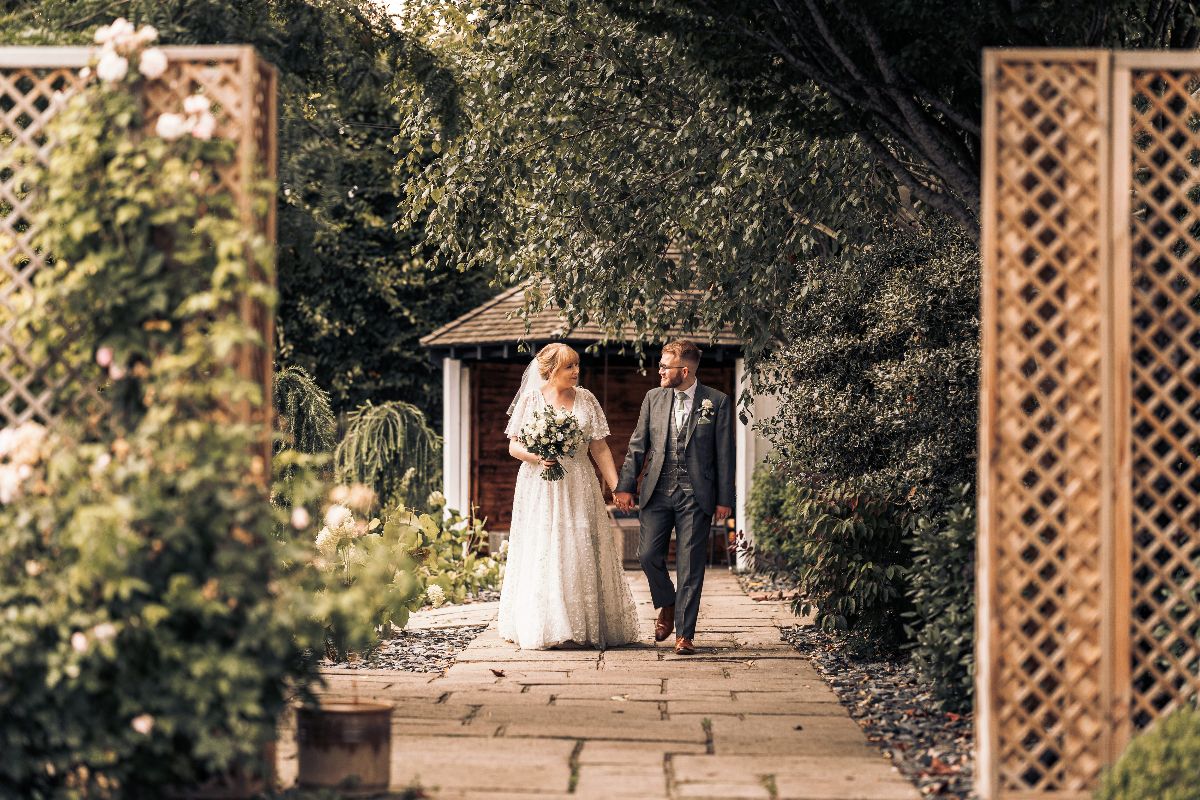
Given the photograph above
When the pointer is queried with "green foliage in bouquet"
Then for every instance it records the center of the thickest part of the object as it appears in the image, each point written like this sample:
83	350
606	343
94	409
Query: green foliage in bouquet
391	448
1160	763
141	565
942	590
303	412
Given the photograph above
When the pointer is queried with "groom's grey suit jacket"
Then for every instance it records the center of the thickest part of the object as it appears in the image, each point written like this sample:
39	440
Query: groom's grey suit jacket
709	448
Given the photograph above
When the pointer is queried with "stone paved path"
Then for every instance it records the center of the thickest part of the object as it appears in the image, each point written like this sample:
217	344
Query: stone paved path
746	717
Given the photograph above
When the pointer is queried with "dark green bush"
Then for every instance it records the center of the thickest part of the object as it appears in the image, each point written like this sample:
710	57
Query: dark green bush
844	550
877	376
942	590
1163	763
302	412
850	557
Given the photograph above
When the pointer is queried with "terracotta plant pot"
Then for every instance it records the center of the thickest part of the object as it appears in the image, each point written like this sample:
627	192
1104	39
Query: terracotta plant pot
347	746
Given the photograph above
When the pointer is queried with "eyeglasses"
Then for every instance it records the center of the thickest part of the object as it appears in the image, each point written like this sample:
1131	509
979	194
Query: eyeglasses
664	366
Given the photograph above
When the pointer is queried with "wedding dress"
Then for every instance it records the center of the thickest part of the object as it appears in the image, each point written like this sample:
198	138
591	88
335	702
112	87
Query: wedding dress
563	580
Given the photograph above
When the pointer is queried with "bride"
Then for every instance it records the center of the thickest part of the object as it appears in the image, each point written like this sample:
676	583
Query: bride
563	583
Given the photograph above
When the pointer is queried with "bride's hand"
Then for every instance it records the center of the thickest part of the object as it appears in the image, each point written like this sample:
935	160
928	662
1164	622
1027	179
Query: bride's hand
548	462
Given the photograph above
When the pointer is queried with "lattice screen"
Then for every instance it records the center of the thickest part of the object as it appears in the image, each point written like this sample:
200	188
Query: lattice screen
242	90
1090	425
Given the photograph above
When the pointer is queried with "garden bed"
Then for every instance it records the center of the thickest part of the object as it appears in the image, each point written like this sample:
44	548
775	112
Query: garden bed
423	650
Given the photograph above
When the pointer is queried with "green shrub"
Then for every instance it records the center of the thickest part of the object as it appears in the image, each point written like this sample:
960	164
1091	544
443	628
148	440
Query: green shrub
1163	763
391	448
452	558
302	412
844	550
942	591
768	509
877	375
850	557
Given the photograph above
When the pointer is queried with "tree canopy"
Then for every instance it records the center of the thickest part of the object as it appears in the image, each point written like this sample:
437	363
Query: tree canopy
356	291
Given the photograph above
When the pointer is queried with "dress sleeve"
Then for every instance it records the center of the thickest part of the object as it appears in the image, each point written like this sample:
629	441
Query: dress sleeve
599	421
525	408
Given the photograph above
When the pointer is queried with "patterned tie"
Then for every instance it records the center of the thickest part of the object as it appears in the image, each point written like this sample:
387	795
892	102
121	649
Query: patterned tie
680	412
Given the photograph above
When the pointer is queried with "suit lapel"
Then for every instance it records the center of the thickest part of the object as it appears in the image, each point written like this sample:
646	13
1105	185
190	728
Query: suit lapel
691	425
660	414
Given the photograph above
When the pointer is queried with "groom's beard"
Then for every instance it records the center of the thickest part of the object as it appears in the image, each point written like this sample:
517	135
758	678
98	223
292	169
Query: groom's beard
672	380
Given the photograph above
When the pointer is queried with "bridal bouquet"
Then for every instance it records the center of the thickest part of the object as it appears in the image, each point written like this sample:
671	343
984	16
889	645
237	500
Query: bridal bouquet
552	434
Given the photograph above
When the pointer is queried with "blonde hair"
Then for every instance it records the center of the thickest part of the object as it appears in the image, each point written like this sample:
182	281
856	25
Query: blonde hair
553	356
685	351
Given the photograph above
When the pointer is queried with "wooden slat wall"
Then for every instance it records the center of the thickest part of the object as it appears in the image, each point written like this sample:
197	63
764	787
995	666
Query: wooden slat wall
619	387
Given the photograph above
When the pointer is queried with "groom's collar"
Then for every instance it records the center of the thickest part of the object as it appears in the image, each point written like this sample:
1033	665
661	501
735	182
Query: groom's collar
690	392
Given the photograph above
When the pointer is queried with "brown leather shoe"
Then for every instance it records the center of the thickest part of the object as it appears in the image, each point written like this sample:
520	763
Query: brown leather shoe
684	647
665	623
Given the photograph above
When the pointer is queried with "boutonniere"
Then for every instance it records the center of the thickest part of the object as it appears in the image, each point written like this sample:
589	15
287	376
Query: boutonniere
706	413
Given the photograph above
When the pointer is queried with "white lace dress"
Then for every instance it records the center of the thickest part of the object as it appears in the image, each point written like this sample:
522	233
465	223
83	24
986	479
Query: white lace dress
563	580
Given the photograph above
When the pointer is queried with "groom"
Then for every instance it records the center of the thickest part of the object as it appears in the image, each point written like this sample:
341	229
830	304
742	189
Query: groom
684	437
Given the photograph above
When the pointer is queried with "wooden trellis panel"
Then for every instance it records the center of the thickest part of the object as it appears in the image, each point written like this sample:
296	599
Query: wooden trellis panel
242	90
1089	491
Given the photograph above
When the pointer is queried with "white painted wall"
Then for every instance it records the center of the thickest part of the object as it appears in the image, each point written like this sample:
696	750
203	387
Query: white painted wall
752	449
456	434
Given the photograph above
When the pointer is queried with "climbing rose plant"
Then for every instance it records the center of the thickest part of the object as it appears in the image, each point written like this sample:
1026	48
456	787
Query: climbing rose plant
151	595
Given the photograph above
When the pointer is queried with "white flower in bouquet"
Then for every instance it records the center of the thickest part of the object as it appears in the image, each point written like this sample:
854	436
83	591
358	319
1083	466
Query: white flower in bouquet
147	34
112	67
435	594
152	63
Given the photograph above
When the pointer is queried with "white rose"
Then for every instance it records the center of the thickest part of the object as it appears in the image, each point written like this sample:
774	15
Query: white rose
172	126
205	127
147	34
196	104
112	67
337	516
79	642
153	63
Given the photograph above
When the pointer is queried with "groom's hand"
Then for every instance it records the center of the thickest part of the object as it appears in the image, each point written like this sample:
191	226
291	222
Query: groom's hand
722	513
623	500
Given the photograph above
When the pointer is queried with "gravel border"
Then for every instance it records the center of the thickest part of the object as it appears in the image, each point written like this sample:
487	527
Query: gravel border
426	650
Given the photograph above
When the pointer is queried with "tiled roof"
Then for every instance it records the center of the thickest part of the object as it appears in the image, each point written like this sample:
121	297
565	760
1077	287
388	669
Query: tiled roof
497	322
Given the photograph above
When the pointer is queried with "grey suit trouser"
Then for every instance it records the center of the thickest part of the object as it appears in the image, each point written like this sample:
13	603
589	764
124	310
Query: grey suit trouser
679	511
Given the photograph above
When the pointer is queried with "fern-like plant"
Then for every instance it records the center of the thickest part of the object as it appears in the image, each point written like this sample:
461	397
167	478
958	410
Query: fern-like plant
391	448
303	412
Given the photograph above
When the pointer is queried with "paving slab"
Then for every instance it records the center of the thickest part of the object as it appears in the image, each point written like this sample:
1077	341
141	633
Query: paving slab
748	717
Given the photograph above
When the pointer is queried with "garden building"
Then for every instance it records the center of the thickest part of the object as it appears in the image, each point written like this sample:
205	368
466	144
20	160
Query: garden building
483	354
